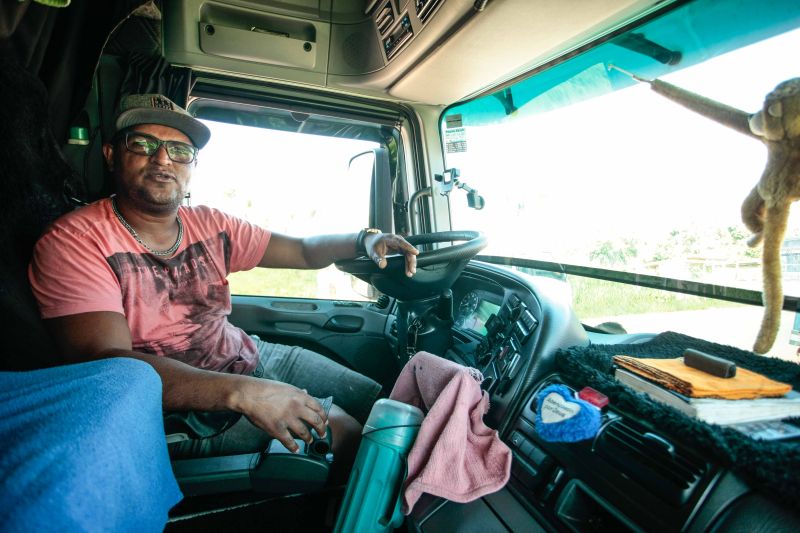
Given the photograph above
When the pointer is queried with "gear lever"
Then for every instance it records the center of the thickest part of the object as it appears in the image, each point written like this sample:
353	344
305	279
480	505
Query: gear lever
444	309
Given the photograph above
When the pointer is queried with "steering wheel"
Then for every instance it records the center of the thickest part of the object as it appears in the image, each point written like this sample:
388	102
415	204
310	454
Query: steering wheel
436	269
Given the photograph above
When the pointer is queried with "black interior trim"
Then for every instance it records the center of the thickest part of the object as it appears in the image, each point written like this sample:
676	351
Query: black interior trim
694	288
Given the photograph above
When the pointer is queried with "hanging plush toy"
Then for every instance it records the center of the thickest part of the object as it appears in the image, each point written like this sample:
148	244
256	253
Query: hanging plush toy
765	211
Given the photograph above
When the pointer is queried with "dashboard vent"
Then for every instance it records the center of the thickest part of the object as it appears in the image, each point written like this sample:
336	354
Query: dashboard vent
426	8
384	18
667	471
382	302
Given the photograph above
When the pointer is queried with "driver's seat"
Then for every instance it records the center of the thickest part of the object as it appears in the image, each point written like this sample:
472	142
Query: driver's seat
36	181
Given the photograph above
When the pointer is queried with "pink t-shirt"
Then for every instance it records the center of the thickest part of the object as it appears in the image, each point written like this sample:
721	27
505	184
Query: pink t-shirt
177	306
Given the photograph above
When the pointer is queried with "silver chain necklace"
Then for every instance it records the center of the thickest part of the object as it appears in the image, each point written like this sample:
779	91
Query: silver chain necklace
161	253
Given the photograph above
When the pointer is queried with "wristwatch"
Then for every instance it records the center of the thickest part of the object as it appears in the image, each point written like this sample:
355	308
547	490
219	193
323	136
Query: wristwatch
362	235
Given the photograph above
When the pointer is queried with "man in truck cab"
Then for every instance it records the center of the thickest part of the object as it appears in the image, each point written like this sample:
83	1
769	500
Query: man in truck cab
139	275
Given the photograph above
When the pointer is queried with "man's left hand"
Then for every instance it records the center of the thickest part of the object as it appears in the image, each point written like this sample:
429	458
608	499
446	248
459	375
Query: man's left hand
379	245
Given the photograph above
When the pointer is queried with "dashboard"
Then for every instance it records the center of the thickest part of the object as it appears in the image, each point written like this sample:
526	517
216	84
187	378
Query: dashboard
509	326
474	310
502	324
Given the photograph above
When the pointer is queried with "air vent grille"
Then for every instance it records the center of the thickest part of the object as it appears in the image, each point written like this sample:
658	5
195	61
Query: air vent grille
382	302
426	8
384	18
664	469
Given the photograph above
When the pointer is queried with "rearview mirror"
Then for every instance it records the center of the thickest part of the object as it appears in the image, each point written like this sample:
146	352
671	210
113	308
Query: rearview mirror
376	162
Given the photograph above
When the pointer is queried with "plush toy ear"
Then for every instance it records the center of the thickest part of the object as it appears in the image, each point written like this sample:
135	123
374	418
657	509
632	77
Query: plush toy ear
756	123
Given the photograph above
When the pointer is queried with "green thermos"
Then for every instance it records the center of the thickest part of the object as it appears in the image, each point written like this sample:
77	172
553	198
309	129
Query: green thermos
372	499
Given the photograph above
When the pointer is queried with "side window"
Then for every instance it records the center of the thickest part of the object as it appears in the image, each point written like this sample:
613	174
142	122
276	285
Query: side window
290	183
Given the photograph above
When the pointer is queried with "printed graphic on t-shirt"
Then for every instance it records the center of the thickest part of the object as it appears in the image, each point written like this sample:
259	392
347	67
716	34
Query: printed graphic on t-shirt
180	304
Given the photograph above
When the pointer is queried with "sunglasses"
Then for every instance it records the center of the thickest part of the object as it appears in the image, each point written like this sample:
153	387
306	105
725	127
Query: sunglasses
147	145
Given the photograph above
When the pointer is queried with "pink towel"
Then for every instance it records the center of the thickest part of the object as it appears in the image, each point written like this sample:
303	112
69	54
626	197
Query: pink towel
456	456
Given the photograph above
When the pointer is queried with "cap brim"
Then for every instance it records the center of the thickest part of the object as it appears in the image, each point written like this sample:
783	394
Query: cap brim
190	126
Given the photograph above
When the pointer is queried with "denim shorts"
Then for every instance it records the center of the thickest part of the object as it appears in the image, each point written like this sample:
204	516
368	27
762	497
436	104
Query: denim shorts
321	377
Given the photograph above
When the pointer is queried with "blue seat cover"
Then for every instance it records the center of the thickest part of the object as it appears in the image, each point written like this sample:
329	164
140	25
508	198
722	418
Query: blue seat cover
82	448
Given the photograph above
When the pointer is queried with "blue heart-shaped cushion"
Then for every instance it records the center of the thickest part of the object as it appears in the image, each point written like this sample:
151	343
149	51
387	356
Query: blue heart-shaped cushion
560	417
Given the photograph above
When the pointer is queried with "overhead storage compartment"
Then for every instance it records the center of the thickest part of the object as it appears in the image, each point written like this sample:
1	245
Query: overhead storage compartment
263	45
264	39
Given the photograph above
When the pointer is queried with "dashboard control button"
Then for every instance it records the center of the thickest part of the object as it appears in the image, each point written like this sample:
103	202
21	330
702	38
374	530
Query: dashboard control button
536	455
493	325
529	320
524	474
521	332
526	448
513	367
517	439
501	354
553	484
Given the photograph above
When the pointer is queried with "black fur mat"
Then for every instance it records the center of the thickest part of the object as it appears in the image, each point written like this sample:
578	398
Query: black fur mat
769	466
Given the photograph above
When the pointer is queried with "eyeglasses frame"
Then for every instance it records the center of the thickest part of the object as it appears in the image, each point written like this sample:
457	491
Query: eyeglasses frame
124	137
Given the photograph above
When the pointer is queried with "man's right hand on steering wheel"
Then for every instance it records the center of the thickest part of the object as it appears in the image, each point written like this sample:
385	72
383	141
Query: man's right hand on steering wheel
379	245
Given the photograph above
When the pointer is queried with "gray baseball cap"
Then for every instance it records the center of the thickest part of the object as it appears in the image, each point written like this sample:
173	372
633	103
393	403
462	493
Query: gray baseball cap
135	109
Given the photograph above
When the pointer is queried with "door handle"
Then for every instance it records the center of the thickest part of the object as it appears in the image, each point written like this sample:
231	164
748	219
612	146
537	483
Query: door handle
344	324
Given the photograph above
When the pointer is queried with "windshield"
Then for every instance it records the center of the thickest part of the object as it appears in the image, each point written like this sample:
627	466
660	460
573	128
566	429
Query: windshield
581	165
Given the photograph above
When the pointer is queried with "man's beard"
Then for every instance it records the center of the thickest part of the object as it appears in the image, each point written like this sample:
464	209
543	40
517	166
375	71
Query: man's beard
166	202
